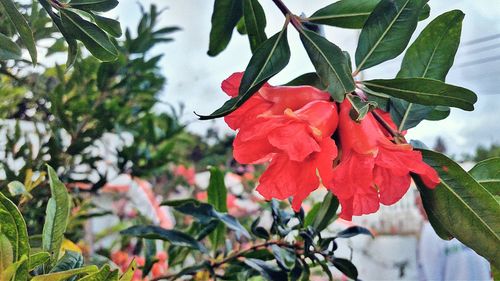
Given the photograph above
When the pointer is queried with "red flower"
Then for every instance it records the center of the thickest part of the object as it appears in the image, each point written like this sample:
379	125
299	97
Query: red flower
297	143
268	100
373	169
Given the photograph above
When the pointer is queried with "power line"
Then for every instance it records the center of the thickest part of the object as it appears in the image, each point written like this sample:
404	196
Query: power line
481	40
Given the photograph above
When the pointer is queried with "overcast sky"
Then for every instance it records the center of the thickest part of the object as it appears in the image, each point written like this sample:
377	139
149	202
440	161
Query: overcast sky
194	77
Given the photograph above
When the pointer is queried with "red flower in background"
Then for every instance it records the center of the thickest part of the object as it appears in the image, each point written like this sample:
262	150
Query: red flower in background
373	169
291	127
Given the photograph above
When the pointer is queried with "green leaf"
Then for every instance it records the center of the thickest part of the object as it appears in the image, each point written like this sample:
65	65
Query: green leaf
438	113
56	216
94	5
425	91
205	213
308	79
269	59
268	271
38	259
128	275
387	31
284	256
175	237
350	13
6	252
70	260
360	108
255	23
105	273
217	197
94	39
353	231
487	173
311	215
16	271
111	26
327	213
346	267
217	192
8	49
330	63
430	56
225	16
58	276
13	227
22	27
16	188
72	44
462	206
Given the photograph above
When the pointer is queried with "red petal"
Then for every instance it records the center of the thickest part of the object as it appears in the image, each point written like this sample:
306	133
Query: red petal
392	187
295	140
232	84
353	172
291	97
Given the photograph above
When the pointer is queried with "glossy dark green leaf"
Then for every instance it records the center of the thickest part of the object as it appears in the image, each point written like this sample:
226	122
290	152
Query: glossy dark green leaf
330	63
225	16
70	260
350	13
327	213
268	271
240	26
430	56
269	59
94	39
284	256
14	228
353	231
387	31
111	26
487	173
346	267
72	44
64	275
175	237
205	213
462	206
38	259
22	27
56	216
425	91
105	273
94	5
308	79
438	113
255	23
8	49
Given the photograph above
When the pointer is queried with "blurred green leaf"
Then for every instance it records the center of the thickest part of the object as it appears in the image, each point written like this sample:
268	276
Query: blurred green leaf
13	227
330	63
425	91
217	197
269	59
94	39
16	188
6	252
16	271
225	16
387	31
462	206
346	267
38	259
58	276
70	260
175	237
353	231
268	271
255	23
105	273
205	213
284	256
128	275
8	49
56	216
22	27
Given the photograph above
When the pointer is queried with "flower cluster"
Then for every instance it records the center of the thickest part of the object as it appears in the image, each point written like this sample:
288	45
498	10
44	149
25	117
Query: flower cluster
292	129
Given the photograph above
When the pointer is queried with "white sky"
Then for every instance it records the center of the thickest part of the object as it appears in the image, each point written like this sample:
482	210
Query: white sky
194	77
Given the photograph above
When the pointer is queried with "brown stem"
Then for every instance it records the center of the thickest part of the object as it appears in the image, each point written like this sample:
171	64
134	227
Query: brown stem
294	20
